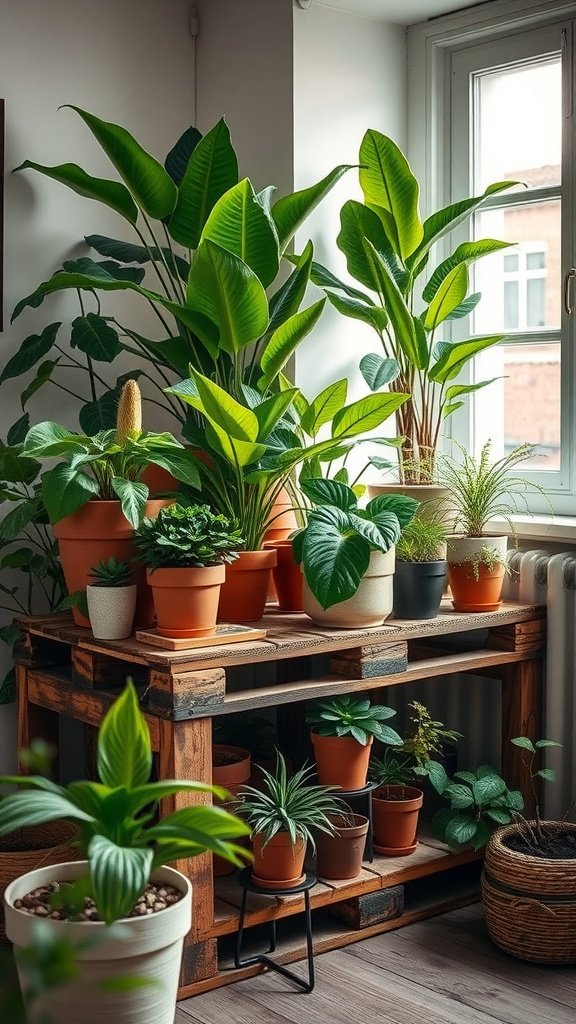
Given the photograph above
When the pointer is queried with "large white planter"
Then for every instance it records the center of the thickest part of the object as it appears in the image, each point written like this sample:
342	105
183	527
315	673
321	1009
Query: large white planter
434	499
144	947
463	549
111	610
369	606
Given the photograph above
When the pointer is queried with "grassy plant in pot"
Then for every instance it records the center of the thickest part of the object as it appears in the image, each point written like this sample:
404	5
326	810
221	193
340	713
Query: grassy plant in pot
420	573
124	876
347	553
186	550
481	490
284	815
111	598
342	733
94	496
529	879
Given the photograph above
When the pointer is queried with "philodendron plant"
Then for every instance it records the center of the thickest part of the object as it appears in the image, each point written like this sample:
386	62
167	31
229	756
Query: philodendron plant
335	545
387	248
212	246
120	835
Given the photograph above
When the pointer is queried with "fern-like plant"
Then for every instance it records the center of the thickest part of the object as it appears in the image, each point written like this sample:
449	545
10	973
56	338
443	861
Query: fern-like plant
422	540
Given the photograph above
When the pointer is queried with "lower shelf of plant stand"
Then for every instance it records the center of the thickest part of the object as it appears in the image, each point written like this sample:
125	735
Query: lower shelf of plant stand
425	897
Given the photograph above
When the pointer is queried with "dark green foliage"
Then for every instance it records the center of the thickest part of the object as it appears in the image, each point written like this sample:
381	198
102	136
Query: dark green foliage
349	716
111	573
187	536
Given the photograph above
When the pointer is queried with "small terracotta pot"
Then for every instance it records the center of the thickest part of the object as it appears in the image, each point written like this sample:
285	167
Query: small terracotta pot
235	770
186	600
280	862
341	760
94	533
287	576
395	811
340	856
243	596
472	591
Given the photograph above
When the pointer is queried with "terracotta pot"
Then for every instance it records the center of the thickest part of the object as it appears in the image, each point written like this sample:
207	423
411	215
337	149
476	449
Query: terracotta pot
282	519
369	606
341	760
94	533
186	600
34	847
340	856
235	769
280	863
287	576
221	866
473	590
395	811
243	596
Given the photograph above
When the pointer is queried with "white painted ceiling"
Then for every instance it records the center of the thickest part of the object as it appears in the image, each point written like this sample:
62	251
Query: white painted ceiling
401	12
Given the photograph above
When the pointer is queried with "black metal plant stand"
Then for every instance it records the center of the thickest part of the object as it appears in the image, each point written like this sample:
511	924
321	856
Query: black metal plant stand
248	885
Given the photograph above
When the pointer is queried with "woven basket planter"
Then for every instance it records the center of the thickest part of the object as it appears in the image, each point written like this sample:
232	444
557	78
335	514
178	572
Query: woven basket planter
54	844
530	902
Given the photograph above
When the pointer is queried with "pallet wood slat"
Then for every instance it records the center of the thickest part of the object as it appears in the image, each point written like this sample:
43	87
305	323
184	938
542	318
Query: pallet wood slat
371	908
372	661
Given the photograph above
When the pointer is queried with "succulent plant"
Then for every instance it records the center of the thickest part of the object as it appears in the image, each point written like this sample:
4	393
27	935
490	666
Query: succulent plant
111	572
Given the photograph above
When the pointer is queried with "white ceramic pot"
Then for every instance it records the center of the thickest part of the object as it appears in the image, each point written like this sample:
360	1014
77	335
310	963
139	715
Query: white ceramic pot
143	947
434	498
111	610
369	606
463	549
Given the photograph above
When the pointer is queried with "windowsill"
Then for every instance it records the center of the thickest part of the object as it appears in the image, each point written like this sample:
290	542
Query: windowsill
541	527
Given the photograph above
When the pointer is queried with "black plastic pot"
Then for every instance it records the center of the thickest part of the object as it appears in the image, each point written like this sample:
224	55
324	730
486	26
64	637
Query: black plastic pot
418	589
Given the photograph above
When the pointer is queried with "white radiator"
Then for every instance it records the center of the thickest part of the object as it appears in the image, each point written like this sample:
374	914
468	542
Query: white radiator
551	579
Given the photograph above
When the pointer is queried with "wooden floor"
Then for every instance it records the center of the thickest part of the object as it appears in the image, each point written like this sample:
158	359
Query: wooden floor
442	971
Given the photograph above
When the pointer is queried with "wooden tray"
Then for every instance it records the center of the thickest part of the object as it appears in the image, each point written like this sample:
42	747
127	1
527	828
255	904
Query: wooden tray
226	633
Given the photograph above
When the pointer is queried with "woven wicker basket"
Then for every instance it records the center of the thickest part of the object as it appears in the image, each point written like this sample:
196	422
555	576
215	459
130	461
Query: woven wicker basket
55	845
530	902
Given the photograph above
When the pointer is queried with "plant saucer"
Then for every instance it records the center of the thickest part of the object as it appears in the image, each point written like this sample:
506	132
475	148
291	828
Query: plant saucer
392	851
291	883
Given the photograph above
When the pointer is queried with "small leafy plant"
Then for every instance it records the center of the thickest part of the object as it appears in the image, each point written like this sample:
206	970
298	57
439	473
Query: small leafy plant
290	805
415	758
111	573
479	801
347	716
187	536
393	769
536	836
421	541
119	833
488	557
336	544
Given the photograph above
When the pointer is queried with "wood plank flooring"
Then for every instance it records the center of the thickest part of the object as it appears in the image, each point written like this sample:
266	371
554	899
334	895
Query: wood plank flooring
442	971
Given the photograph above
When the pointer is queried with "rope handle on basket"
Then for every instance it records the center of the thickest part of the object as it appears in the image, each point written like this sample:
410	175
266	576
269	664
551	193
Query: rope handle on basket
533	903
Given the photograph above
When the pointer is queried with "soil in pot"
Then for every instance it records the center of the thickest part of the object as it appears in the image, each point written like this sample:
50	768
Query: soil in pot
279	863
340	856
186	600
245	591
287	576
561	844
341	760
56	901
418	589
475	589
231	766
395	811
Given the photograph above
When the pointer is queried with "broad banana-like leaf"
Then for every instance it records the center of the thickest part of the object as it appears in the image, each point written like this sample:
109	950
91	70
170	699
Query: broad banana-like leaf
285	340
408	338
238	223
226	292
358	222
451	357
212	170
447	219
113	194
451	292
389	184
466	253
289	212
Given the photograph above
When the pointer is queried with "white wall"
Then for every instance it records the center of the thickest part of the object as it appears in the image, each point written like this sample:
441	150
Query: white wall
349	75
128	61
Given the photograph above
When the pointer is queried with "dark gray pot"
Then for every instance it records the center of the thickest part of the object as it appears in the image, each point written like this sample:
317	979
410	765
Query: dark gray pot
418	589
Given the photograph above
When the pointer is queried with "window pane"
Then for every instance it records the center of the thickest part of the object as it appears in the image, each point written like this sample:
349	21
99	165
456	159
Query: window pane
535	228
519	114
511	305
525	404
511	262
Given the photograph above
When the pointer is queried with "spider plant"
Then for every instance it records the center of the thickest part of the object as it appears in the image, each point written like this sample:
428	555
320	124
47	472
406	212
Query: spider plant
291	805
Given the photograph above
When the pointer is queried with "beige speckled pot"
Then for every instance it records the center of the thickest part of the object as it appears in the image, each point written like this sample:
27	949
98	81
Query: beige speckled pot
369	606
143	947
111	610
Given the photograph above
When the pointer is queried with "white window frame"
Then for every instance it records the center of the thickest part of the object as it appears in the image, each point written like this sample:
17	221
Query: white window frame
434	48
521	276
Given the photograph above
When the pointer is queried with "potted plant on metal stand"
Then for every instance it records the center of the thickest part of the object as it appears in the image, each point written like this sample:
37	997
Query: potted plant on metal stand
420	573
124	876
111	599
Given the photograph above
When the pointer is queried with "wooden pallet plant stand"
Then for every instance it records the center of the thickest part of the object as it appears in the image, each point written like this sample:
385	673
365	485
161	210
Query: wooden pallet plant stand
63	671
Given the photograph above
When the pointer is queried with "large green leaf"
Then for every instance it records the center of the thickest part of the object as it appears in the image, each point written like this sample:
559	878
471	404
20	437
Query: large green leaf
48	439
177	462
358	222
324	407
403	507
43	375
285	341
460	830
467	252
29	807
227	293
93	335
129	252
286	301
389	184
133	497
118	875
324	278
381	533
17	432
178	158
329	492
450	293
365	414
451	357
375	316
31	351
223	411
212	169
291	211
64	490
147	180
112	193
18	518
407	338
101	414
378	371
489	788
271	410
124	749
335	558
238	223
447	219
